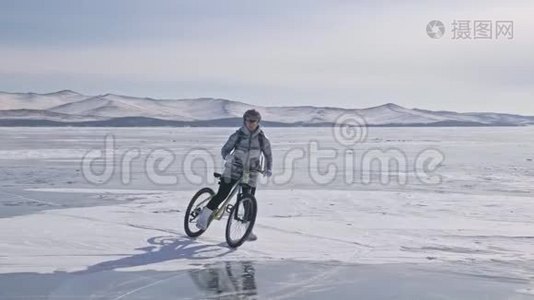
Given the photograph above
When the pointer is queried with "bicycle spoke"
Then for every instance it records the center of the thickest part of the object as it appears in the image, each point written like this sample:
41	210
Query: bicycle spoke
240	221
238	224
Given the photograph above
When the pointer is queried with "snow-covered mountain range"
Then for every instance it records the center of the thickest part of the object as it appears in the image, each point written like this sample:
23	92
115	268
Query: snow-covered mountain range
74	109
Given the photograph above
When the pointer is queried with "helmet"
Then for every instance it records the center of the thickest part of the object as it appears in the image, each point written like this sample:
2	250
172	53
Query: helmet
252	114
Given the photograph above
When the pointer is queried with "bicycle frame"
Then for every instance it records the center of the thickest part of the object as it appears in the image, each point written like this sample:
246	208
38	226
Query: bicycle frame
218	214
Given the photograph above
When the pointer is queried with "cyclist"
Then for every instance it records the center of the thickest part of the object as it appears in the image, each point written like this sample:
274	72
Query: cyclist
241	152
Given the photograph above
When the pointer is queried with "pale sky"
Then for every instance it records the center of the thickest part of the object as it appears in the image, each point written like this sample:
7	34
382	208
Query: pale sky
350	54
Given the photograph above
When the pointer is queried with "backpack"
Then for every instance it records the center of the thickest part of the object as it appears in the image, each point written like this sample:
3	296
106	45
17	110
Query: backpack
241	135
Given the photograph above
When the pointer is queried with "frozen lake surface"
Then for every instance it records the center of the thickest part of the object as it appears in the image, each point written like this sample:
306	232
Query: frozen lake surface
327	225
268	280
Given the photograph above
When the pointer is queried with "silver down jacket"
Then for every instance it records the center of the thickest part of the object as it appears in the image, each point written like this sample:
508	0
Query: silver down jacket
247	149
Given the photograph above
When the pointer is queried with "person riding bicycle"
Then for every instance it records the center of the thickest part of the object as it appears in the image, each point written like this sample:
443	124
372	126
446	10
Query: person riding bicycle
241	152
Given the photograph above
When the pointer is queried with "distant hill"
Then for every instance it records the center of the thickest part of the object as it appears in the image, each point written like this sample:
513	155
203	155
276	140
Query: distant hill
68	108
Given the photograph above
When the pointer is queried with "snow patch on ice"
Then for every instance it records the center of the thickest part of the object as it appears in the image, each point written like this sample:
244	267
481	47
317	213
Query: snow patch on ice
146	232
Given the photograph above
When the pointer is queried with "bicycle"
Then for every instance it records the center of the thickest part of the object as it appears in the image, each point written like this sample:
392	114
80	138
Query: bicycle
241	214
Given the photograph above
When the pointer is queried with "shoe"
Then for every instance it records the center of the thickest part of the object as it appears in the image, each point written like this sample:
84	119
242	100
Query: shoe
252	237
204	218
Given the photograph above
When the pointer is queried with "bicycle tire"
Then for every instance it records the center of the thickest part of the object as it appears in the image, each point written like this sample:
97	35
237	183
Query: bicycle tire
189	217
247	215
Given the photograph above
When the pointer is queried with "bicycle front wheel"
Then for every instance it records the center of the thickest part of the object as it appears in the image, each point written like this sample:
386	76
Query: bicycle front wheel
199	200
241	221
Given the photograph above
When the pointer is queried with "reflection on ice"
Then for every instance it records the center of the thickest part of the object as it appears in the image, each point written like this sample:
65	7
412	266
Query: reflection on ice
229	280
275	280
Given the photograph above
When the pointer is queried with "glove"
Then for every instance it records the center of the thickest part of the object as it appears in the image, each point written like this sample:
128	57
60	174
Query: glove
268	173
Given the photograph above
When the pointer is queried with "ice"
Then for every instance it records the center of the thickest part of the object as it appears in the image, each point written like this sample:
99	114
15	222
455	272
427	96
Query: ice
477	221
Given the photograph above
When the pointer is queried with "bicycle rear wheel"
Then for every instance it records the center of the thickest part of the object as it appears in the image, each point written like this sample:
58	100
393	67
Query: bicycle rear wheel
241	220
199	200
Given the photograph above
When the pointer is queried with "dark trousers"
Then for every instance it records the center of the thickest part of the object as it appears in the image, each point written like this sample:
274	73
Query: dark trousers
225	187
